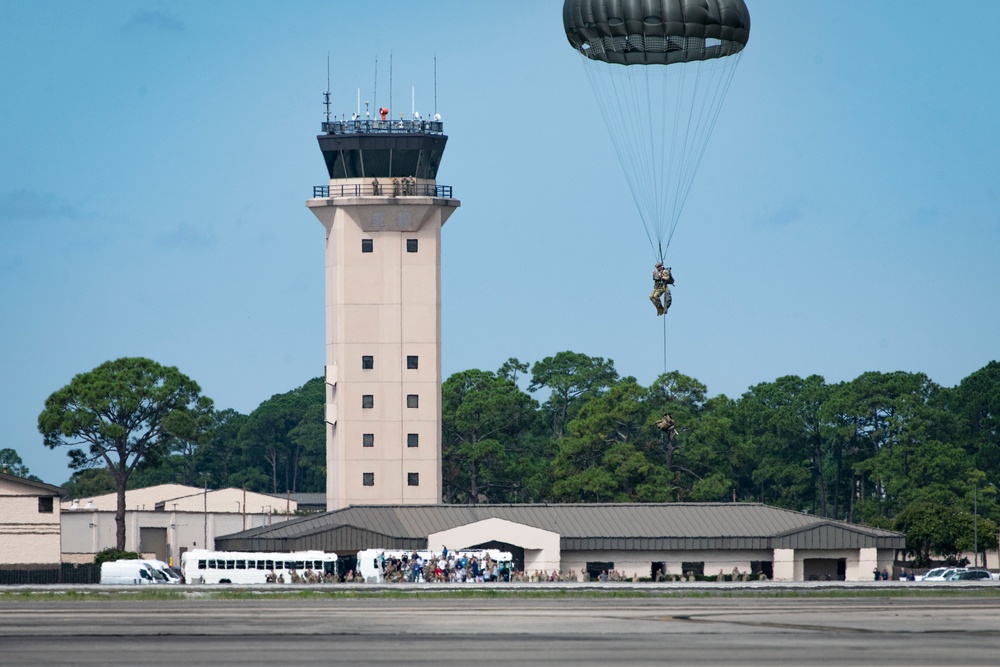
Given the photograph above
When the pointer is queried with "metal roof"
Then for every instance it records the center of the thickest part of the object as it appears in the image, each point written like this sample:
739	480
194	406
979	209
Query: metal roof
582	526
47	489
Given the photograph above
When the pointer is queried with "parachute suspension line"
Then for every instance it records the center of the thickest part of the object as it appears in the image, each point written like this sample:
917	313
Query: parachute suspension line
721	77
617	101
664	345
641	106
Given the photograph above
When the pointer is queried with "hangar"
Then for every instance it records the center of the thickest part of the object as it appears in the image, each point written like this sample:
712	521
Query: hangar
636	539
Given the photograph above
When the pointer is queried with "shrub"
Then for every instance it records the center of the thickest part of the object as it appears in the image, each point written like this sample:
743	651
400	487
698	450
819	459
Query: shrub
115	554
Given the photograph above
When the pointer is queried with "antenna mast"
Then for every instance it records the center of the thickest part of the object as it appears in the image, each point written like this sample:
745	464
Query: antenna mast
375	94
326	95
435	84
390	84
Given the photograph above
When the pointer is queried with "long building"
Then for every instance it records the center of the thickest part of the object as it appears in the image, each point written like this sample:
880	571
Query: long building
636	539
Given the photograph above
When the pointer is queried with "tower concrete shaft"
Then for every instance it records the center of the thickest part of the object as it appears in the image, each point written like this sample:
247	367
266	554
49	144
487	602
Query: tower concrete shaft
383	212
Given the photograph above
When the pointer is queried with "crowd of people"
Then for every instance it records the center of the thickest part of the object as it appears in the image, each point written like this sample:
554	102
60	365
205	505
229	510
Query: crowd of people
447	566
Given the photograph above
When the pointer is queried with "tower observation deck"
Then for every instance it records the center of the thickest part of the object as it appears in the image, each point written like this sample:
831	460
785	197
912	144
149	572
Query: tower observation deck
382	150
383	212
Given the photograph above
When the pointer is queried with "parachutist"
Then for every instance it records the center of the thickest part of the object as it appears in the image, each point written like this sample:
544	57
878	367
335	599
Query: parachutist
662	279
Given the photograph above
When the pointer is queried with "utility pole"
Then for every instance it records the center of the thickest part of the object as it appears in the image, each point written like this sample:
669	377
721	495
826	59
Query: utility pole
975	524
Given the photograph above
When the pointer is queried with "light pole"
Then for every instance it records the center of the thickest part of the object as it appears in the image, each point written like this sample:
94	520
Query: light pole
975	525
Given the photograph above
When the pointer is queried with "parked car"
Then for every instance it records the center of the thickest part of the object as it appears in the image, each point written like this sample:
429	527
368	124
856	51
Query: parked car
943	575
971	575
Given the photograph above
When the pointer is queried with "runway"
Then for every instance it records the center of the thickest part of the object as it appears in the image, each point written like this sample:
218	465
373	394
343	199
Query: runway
444	632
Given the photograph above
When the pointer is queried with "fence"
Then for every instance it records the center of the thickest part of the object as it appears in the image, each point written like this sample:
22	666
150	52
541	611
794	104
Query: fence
66	573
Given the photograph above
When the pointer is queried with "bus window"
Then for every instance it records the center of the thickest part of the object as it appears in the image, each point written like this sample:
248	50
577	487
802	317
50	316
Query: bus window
211	565
299	565
201	565
260	565
269	565
241	565
230	565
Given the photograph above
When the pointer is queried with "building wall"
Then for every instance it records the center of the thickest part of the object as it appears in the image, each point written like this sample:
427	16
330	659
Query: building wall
27	536
639	562
85	533
385	304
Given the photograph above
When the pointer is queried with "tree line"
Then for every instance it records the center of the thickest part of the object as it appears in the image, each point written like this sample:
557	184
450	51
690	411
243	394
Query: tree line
891	450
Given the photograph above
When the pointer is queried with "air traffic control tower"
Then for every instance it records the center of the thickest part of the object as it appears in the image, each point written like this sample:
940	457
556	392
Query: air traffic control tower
383	212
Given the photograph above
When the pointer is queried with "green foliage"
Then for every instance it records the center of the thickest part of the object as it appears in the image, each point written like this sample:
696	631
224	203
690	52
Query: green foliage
115	554
122	412
893	450
11	463
90	482
487	422
572	379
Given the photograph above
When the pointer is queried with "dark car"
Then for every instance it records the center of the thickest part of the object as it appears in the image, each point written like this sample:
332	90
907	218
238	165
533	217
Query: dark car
970	575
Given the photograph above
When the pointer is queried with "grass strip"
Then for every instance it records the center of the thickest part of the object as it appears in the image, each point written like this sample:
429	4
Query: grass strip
481	594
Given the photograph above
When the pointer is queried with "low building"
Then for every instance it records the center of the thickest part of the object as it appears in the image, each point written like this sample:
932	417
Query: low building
166	520
634	539
29	522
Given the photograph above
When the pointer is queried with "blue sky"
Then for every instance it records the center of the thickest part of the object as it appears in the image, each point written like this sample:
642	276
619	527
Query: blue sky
157	156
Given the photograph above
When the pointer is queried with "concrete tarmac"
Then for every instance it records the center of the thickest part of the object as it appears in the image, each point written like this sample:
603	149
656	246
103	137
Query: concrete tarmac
553	632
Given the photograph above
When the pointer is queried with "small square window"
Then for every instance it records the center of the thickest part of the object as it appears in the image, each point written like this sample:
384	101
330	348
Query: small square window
368	478
412	401
368	440
367	362
411	362
367	245
368	401
411	245
413	479
412	439
45	505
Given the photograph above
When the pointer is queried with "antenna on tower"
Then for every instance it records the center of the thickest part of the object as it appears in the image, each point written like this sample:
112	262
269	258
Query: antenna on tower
390	84
435	84
375	94
326	95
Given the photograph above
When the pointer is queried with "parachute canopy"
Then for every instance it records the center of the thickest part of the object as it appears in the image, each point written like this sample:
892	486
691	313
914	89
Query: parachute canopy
660	70
656	32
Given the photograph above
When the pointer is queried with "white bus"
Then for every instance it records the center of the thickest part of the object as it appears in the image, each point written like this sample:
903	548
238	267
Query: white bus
235	567
372	562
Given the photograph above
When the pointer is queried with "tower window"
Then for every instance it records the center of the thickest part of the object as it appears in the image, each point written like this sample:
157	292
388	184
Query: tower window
413	479
367	362
368	478
411	245
412	439
412	401
411	362
368	401
368	440
367	245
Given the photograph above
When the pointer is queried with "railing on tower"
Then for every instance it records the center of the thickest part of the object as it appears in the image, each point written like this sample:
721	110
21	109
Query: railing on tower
369	126
397	188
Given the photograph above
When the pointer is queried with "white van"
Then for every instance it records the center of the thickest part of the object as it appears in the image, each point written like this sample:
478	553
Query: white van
170	575
130	572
